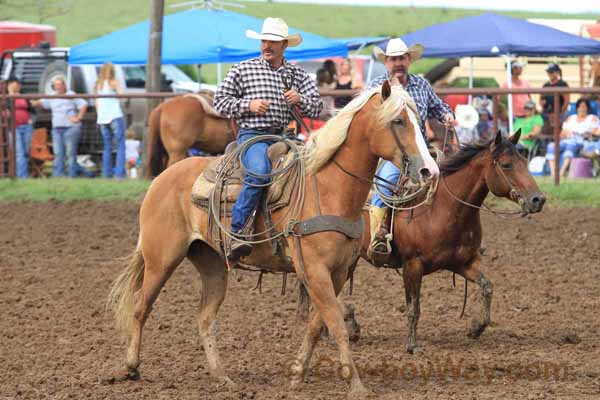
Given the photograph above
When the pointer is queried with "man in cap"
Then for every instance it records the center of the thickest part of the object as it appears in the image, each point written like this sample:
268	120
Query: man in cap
260	94
518	99
397	59
547	101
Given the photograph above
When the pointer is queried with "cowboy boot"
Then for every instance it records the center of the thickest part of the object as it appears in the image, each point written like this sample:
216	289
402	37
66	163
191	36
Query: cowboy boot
238	245
380	247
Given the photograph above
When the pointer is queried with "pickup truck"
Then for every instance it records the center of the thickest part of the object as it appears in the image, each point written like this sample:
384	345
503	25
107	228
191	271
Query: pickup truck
37	67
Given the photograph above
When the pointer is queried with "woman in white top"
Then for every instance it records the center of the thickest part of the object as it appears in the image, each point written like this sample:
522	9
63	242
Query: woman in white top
577	133
111	122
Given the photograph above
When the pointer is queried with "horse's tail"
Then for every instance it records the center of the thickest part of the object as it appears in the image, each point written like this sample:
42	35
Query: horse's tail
155	150
124	292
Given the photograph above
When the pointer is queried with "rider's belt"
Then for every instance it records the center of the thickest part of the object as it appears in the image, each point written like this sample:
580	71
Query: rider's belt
272	131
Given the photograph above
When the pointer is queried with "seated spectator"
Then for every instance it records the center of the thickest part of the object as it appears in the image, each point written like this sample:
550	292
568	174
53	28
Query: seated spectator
346	80
518	99
324	82
485	125
67	115
547	101
530	125
467	119
23	127
578	131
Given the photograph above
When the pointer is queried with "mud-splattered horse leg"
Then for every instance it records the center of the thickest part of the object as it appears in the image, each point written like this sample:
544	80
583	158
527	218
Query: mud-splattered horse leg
473	273
413	276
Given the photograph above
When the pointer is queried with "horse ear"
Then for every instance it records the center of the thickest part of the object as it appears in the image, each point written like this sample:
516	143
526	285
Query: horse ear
386	90
514	139
498	138
395	81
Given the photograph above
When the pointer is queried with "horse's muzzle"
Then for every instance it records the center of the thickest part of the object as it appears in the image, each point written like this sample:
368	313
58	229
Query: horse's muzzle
534	203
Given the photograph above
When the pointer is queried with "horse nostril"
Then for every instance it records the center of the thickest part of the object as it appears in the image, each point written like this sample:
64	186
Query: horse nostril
425	173
538	201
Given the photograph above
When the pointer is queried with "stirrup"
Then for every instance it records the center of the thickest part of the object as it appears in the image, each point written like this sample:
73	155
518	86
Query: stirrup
380	250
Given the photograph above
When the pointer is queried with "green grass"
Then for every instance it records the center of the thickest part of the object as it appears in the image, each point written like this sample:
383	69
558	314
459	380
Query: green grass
581	193
88	19
71	189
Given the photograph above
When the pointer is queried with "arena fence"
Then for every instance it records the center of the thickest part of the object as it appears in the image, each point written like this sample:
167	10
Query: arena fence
92	138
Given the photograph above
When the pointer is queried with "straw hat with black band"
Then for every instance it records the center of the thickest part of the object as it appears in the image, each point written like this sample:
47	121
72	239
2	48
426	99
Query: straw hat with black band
397	47
276	30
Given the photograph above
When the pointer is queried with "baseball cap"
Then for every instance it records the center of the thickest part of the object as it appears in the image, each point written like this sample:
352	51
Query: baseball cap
553	67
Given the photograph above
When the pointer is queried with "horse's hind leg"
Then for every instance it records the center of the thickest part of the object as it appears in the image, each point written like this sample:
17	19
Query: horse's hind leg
213	272
413	276
474	274
160	262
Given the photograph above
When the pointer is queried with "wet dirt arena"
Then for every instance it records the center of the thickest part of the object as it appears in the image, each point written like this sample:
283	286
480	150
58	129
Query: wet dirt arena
58	260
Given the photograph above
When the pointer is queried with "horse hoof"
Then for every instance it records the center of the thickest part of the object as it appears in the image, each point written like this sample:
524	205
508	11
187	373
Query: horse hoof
133	374
414	349
476	330
359	392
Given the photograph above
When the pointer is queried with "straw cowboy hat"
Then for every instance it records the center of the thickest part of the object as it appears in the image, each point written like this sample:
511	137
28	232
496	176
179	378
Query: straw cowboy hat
275	29
466	116
397	47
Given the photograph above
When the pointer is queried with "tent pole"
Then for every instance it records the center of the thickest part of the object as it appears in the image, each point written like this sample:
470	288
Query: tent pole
471	79
199	70
219	73
510	104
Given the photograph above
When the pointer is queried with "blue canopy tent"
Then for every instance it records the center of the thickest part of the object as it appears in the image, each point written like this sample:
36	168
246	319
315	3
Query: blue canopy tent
357	43
198	36
492	35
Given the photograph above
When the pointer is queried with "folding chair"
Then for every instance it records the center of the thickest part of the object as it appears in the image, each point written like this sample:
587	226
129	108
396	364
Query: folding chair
39	153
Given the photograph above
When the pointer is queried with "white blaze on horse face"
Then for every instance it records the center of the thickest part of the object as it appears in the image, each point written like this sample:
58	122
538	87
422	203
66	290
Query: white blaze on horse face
430	164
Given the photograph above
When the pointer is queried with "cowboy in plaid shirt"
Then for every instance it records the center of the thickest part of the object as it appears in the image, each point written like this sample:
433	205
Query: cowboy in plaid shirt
397	59
260	93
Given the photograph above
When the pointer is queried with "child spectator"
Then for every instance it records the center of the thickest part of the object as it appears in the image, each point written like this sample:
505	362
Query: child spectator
132	152
531	126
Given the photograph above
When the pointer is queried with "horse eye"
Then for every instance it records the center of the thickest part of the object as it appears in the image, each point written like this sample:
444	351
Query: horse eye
506	165
399	122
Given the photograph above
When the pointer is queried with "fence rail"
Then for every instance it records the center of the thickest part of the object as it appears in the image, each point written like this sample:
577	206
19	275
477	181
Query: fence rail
8	132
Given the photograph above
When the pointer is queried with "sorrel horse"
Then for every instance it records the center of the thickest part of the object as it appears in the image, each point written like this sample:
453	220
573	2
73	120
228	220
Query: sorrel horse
375	124
183	122
447	234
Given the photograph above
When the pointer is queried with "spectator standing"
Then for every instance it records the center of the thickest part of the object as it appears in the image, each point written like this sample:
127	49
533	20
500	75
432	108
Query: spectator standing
547	101
324	82
578	131
346	80
111	122
518	99
530	125
67	115
329	66
23	127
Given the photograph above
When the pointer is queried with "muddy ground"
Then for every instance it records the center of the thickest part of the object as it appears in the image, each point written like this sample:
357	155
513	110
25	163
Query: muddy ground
57	262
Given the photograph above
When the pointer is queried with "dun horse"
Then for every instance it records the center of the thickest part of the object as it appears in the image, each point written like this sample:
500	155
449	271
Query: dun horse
181	123
342	157
447	234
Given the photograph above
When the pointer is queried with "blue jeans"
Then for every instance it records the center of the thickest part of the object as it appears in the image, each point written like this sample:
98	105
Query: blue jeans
24	133
568	147
117	129
64	142
255	159
391	173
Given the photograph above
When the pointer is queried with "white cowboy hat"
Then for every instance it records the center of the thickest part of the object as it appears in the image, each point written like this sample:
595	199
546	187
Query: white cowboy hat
397	47
466	116
275	29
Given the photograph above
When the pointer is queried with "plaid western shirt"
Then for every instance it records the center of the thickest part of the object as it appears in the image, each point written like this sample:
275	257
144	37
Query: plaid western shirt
428	103
257	79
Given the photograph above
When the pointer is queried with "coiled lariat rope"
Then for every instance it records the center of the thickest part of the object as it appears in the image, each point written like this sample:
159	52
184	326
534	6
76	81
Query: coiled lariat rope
296	167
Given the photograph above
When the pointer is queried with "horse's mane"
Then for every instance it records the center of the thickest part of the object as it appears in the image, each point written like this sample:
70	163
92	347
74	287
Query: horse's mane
467	152
324	142
208	108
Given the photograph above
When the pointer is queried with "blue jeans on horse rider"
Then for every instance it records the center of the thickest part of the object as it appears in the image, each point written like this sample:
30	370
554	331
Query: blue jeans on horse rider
255	160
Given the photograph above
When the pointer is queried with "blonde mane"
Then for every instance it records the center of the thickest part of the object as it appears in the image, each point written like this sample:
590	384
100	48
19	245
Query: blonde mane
323	143
208	109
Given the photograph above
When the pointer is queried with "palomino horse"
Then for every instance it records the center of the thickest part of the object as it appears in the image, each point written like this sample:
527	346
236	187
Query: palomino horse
373	125
181	123
447	234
